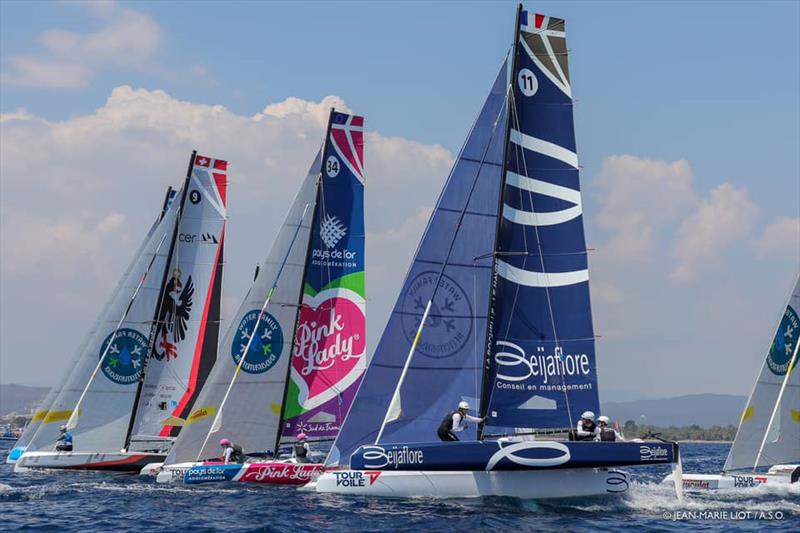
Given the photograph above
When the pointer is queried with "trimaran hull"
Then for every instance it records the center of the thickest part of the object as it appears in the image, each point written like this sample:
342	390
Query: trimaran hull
113	462
265	473
538	485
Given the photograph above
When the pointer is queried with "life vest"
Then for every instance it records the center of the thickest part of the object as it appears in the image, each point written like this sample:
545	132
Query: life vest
447	423
300	450
589	427
237	454
608	435
66	438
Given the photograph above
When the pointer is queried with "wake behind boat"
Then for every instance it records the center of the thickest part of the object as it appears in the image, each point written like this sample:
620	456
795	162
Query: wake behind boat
494	312
301	329
768	437
125	399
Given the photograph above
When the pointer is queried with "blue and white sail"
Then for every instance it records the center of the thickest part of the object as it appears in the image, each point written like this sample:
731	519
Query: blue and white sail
501	274
541	341
451	271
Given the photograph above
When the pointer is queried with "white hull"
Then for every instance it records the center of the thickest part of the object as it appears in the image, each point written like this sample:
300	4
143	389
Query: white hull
119	461
777	475
172	473
151	469
528	484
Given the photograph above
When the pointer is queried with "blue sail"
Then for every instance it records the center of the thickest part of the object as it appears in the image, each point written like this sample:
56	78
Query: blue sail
541	341
448	363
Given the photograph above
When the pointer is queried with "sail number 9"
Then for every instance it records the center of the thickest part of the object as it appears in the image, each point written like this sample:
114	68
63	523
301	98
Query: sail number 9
332	166
528	83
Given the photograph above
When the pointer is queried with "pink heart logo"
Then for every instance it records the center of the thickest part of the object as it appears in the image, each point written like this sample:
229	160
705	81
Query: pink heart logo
329	346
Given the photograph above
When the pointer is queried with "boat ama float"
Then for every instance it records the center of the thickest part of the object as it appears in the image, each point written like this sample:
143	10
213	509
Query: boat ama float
495	311
302	326
139	370
766	449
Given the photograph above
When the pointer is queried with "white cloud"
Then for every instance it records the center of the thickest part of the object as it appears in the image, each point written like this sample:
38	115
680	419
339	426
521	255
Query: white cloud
781	238
637	196
79	194
728	215
68	60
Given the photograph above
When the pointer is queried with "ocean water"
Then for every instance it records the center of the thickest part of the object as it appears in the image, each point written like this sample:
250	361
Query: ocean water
82	502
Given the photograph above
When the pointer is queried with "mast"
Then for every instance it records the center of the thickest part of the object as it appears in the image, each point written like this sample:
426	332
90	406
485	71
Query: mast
314	220
485	392
154	324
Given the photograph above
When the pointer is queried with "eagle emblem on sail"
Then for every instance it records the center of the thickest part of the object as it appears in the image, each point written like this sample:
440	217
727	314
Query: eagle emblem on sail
173	317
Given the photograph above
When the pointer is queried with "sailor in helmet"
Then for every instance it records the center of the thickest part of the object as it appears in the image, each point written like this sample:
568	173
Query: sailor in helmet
64	442
231	453
455	422
586	429
605	432
300	449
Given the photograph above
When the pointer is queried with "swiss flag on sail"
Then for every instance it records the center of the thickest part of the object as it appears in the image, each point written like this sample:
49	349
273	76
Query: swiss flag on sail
202	161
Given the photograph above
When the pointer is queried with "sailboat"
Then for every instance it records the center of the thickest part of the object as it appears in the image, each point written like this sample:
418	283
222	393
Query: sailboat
44	408
768	437
294	354
139	371
494	311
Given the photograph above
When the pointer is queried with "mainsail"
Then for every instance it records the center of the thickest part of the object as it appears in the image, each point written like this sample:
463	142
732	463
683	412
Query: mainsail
47	404
246	399
184	340
495	306
769	430
116	354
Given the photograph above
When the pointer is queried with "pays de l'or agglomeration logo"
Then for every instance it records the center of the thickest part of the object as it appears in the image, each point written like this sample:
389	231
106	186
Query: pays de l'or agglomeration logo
266	346
785	342
449	322
125	356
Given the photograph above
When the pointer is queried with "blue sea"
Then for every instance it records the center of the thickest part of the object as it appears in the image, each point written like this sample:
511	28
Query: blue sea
82	502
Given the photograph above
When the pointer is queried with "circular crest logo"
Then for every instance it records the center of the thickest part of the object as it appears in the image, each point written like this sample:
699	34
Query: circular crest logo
449	322
125	356
266	346
785	342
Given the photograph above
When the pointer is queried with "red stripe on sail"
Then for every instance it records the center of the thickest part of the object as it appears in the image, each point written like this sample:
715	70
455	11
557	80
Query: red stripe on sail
219	164
340	138
538	20
357	121
198	350
222	186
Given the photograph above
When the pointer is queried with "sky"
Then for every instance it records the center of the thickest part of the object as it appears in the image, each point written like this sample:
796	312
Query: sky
687	122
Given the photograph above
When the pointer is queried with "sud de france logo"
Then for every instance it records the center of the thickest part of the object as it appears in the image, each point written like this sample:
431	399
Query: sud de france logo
125	356
785	342
266	346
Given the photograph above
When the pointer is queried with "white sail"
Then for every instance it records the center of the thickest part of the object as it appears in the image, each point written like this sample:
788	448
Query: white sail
252	408
775	398
184	346
105	410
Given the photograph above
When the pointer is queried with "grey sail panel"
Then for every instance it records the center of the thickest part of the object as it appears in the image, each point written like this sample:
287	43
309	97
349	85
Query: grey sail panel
782	444
252	410
100	427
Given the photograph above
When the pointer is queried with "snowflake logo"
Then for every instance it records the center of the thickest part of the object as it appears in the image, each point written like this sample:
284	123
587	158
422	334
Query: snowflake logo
332	230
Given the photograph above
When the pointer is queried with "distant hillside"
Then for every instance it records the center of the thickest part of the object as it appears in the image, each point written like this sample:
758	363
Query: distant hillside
705	410
20	398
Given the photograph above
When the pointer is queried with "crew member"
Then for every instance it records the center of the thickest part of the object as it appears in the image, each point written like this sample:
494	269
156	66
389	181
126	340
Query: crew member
605	433
454	422
300	449
64	442
586	429
231	453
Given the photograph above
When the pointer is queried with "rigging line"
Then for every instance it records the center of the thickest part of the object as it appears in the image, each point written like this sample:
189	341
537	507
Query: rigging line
73	419
441	270
264	306
544	269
